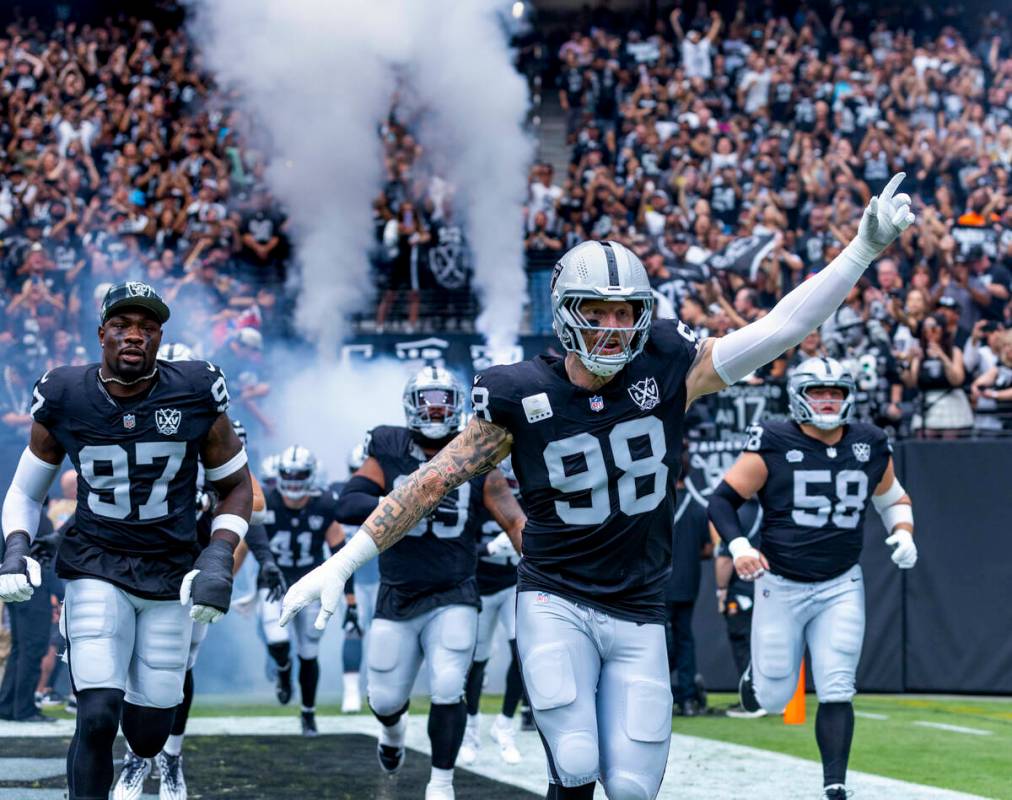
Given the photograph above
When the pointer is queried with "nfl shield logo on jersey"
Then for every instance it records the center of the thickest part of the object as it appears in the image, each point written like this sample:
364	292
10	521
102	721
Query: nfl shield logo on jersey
597	403
129	421
167	420
645	394
862	451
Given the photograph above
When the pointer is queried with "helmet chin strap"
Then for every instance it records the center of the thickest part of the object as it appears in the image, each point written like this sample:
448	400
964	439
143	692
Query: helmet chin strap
122	382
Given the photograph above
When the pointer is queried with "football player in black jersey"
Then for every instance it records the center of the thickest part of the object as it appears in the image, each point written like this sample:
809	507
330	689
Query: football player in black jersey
497	585
134	428
303	530
427	606
594	437
814	478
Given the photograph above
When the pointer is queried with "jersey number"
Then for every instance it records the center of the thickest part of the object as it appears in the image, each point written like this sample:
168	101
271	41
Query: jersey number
106	468
449	517
281	546
562	456
812	510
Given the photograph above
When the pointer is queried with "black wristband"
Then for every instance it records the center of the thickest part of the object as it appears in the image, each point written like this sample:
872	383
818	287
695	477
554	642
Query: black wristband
17	547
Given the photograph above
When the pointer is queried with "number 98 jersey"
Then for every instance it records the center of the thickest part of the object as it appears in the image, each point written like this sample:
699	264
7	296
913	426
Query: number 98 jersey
815	496
597	471
136	461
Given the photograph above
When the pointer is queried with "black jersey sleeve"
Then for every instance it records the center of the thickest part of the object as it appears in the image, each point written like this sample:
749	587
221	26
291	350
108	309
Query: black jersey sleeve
764	440
213	385
47	396
386	442
674	339
496	398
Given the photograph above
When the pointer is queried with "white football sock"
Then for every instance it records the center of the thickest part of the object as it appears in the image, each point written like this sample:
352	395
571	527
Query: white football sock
174	745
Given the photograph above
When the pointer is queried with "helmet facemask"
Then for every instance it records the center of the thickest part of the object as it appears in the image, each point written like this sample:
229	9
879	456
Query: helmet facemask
574	330
434	412
803	408
296	473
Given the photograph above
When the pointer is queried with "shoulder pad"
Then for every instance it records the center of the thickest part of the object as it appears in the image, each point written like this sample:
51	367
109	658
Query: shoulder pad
386	441
49	390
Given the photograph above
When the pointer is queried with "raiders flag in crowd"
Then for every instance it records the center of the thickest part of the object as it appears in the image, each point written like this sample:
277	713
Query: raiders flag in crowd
744	255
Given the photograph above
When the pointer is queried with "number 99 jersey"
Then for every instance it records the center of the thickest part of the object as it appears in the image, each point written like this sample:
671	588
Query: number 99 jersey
815	496
136	461
597	471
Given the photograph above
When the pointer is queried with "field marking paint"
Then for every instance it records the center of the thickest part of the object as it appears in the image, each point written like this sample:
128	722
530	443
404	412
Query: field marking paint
870	715
952	728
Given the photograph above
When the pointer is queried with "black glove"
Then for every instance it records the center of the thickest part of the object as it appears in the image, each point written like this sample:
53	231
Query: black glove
351	626
275	580
212	586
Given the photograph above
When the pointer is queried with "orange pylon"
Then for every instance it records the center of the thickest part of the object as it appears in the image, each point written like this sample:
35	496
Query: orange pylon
794	714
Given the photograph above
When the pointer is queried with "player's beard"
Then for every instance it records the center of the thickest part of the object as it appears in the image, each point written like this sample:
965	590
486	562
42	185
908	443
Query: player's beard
127	373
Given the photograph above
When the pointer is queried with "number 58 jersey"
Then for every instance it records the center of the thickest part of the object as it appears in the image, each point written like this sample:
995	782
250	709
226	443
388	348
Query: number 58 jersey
136	461
815	496
597	471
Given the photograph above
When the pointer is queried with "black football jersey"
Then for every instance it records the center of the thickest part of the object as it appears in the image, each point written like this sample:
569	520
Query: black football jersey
136	461
434	564
816	495
298	536
595	470
495	573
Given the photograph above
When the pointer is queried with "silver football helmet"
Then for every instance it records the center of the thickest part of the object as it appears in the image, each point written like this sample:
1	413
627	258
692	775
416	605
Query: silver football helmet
296	472
269	471
600	271
434	403
240	431
815	372
357	457
174	351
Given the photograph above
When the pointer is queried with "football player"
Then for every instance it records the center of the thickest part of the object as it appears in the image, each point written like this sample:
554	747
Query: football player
134	428
594	437
497	584
428	603
301	526
814	478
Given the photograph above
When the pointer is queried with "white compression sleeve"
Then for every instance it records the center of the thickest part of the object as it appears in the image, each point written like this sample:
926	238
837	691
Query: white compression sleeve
23	504
791	320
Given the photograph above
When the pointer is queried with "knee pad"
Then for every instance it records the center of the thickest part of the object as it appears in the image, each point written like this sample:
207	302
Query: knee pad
648	714
457	645
90	623
307	644
549	677
384	702
620	785
774	676
576	753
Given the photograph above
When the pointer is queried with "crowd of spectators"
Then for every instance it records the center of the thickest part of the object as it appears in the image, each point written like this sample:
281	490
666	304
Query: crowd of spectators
719	127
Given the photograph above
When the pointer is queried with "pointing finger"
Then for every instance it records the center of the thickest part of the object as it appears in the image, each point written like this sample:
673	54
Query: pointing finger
892	186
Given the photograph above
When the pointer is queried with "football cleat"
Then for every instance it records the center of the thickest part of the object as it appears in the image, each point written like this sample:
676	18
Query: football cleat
746	691
439	792
131	778
739	712
502	734
283	687
469	748
836	792
170	772
309	724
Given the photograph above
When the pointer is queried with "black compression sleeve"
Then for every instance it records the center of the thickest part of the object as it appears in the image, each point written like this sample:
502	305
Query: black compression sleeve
258	544
723	512
358	499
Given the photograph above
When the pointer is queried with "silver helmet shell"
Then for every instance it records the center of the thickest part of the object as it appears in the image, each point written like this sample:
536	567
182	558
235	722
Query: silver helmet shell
297	468
269	471
357	456
174	351
602	270
433	403
814	372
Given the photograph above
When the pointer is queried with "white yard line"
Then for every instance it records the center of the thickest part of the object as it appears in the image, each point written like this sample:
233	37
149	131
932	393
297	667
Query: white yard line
698	769
952	728
870	715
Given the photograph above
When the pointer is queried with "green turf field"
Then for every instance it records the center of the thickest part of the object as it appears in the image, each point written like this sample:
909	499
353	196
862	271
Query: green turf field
894	747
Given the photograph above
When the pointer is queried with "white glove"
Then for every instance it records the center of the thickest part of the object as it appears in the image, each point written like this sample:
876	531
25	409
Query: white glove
501	546
904	550
19	586
885	218
325	583
198	613
749	563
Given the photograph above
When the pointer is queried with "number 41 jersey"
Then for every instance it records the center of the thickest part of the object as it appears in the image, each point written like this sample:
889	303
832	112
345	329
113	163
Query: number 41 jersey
596	471
136	461
815	496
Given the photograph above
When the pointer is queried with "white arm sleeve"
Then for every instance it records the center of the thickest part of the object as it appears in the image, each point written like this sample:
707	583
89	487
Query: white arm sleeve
791	320
23	503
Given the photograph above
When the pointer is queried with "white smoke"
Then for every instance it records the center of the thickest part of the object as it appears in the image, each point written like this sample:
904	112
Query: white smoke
318	76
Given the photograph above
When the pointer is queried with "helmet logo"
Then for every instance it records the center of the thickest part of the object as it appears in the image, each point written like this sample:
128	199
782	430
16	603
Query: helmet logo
645	394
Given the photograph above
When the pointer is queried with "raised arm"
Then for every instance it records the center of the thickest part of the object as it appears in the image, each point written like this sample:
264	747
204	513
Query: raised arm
727	360
476	450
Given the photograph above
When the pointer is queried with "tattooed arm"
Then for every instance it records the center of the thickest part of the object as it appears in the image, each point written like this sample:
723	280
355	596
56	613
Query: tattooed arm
504	508
479	447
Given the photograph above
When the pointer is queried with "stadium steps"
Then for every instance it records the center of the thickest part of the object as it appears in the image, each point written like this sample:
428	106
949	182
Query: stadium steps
552	147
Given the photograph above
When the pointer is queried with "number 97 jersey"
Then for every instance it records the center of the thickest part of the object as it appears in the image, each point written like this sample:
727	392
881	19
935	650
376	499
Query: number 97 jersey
815	496
597	471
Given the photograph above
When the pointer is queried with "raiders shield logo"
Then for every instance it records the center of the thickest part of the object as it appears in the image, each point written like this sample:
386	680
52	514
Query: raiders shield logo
167	420
645	394
862	451
315	522
137	289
